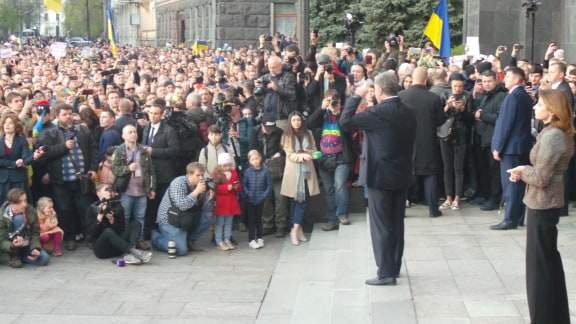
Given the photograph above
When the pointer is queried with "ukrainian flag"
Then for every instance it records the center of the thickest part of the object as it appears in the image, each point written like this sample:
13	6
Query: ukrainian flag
111	34
438	30
199	46
53	5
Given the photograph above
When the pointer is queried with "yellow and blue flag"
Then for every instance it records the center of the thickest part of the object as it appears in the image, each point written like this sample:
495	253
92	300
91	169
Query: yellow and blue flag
111	33
53	5
199	46
438	30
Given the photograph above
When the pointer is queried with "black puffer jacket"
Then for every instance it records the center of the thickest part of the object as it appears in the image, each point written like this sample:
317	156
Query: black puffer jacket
490	104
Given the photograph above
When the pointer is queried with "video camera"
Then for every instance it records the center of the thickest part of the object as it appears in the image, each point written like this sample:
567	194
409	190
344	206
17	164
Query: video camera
107	206
393	40
17	233
261	85
42	107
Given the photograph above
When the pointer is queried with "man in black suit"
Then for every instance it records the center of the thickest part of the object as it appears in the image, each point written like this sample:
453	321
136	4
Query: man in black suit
390	132
511	144
162	144
556	77
429	114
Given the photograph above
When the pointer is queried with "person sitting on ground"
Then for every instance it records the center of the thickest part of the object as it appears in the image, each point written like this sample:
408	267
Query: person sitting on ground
20	232
107	231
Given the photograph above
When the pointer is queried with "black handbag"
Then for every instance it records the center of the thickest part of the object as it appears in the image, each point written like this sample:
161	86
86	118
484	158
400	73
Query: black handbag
183	219
121	183
444	132
276	167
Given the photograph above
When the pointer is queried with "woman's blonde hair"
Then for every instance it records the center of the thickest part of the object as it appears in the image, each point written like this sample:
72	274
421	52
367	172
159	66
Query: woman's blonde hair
557	104
43	202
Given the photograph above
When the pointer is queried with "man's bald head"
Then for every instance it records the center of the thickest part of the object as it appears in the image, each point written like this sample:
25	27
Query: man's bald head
125	106
419	76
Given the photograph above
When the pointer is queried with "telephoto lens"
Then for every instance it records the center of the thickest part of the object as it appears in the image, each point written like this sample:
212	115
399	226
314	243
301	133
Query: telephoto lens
171	249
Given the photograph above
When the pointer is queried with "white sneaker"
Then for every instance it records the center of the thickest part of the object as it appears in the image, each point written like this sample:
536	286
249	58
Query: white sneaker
260	243
253	244
131	259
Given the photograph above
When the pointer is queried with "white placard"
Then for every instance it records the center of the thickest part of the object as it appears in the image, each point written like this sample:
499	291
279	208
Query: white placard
5	53
87	52
58	49
472	46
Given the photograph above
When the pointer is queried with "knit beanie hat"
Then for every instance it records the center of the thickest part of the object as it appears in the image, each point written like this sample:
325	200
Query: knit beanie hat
225	158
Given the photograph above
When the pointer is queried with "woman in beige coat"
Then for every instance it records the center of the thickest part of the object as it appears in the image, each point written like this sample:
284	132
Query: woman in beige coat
550	158
299	181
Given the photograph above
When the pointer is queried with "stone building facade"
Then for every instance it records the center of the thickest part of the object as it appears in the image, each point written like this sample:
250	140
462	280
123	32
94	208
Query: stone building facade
504	22
232	22
134	22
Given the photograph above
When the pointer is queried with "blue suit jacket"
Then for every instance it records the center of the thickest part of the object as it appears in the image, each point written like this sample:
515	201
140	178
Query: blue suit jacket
512	130
20	150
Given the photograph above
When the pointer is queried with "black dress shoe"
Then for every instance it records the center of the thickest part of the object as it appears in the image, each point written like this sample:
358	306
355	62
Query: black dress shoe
436	214
489	206
502	227
478	201
70	245
389	281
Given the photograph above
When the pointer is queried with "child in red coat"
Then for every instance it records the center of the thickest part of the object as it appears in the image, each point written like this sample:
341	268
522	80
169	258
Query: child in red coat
227	204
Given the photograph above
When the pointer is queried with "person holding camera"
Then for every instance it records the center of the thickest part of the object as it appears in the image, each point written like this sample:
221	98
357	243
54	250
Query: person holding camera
327	79
280	94
453	145
185	212
348	58
336	161
14	155
108	231
20	232
71	160
135	179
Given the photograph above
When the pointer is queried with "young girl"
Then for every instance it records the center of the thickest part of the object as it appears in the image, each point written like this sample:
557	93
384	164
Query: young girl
257	186
50	233
227	204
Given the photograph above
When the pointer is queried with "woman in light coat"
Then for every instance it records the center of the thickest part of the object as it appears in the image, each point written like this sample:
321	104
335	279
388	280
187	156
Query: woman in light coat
299	181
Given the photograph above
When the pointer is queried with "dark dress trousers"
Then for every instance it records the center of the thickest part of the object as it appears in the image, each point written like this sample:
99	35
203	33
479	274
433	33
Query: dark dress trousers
427	107
390	129
513	140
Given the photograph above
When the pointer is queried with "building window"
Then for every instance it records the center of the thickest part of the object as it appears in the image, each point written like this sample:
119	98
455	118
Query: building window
284	19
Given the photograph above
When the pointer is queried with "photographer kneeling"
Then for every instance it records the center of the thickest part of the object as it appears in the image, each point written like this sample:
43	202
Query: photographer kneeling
108	232
185	211
20	232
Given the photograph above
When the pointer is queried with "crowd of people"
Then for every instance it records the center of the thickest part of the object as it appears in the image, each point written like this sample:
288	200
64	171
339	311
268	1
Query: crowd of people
157	146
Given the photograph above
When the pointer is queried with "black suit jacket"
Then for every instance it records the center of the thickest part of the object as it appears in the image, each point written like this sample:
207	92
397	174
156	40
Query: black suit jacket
8	170
54	140
165	152
390	129
565	88
427	107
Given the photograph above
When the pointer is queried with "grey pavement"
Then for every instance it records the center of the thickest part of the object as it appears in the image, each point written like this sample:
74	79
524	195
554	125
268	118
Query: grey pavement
455	270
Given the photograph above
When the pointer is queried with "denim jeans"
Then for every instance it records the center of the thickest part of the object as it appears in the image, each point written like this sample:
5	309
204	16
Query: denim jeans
223	224
167	232
334	184
134	208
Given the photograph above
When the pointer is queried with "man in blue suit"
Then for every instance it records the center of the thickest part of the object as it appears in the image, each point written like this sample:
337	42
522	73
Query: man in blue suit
511	145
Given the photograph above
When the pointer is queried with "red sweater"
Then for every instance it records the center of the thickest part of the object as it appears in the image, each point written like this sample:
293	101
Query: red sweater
227	201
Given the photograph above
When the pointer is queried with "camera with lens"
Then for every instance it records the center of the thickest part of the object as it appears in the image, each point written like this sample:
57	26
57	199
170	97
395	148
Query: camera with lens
261	85
267	37
328	68
393	40
334	102
107	206
139	115
210	184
